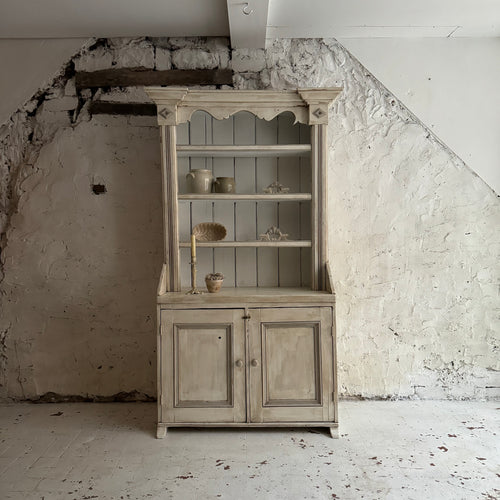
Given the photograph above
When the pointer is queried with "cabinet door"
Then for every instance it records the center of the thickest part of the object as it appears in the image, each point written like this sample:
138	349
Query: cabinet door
291	360
202	369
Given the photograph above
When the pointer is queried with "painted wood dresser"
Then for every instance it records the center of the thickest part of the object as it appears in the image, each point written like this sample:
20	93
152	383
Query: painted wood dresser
261	352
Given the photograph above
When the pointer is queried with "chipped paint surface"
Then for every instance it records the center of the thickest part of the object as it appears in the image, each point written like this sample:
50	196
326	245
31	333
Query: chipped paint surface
414	235
388	450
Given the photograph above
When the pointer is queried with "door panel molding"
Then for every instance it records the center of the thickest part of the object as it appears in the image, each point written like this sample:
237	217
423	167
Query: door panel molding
304	344
216	369
213	392
283	377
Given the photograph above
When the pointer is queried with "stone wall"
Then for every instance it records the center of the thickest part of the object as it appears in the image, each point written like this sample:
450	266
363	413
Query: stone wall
414	235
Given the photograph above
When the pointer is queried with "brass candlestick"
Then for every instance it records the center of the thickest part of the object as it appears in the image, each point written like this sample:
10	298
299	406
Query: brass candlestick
194	290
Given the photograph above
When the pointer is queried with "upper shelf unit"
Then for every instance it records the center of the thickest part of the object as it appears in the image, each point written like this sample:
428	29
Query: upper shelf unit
257	137
253	151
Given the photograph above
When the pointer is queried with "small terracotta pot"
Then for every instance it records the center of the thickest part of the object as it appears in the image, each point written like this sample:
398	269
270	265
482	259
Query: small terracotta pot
213	286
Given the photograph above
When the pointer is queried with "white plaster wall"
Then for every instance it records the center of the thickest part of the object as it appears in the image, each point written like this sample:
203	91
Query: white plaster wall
81	269
28	65
450	84
413	236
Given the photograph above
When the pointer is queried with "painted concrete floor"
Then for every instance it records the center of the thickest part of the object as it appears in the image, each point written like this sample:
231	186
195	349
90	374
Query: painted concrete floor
428	450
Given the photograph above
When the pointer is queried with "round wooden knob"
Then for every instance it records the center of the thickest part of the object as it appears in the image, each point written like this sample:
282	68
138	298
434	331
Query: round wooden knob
255	362
239	363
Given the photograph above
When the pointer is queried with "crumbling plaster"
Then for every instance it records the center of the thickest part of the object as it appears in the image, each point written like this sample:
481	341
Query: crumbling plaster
414	235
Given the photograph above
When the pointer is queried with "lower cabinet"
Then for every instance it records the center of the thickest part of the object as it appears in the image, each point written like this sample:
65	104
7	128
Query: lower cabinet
246	366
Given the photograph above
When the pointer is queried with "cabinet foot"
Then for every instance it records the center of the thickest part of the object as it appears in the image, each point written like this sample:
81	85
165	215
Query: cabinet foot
334	432
161	431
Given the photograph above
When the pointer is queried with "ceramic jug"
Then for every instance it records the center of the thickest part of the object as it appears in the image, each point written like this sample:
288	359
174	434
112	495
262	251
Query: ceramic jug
200	181
225	185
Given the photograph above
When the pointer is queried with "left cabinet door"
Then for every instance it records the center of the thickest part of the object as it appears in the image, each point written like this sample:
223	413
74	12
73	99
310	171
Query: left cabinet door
202	366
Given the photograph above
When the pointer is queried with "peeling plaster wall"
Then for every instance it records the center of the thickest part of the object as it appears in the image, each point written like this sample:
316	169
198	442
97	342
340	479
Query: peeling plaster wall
413	233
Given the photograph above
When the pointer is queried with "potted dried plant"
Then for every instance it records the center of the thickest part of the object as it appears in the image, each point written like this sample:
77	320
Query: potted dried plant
214	282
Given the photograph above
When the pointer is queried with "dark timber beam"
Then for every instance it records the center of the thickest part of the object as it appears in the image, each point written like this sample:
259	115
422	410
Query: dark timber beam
131	77
122	108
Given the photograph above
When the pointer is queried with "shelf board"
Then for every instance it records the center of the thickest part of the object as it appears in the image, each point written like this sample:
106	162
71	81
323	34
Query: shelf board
239	244
244	151
243	197
263	296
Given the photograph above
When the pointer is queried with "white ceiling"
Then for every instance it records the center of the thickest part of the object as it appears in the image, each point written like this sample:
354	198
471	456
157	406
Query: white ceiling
112	18
383	18
276	18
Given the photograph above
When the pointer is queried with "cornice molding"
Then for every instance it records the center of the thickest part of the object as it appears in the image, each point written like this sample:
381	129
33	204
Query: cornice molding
176	105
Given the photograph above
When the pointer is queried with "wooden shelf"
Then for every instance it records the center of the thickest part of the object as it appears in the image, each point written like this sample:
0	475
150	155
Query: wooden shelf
240	244
252	295
244	197
244	151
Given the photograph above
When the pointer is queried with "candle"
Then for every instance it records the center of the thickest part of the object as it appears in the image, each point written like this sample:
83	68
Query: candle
193	246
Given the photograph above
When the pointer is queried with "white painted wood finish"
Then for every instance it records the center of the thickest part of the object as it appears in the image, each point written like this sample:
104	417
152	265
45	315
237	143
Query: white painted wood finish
291	375
250	296
247	197
241	366
262	350
255	244
201	380
170	206
238	151
176	105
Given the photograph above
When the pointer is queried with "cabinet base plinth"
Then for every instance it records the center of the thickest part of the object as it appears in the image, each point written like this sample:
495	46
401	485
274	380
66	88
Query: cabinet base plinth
334	432
161	431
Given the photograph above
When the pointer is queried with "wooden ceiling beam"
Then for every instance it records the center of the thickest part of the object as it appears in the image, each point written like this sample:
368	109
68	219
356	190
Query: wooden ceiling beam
133	77
122	108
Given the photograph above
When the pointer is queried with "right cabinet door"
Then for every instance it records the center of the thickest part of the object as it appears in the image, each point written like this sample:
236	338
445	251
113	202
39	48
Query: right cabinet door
291	365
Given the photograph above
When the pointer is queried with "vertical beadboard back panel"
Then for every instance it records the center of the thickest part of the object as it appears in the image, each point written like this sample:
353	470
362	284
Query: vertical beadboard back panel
246	220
